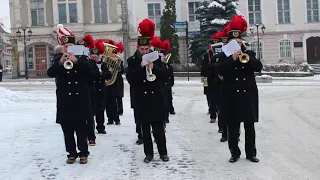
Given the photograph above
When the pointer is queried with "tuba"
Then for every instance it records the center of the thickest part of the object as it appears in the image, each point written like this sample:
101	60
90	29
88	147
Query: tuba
112	61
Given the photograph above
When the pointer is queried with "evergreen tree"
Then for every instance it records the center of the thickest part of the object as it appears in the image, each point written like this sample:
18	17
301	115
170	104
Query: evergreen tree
213	16
167	31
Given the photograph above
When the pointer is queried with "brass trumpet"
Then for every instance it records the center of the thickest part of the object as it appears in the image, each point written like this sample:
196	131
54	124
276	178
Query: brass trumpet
244	57
150	76
167	58
68	64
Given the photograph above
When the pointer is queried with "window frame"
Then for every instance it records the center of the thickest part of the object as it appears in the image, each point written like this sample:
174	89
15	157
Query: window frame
283	11
93	12
194	14
255	12
255	42
154	16
291	48
312	11
67	3
37	11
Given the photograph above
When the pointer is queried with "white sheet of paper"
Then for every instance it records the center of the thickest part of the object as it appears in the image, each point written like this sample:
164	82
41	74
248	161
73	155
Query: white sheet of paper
231	48
150	57
0	70
78	50
160	54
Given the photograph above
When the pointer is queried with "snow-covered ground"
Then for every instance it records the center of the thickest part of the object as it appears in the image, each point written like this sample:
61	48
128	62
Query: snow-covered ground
288	134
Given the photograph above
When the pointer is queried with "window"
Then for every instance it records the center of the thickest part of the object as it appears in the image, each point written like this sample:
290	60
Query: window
154	13
30	58
285	48
254	47
313	10
254	11
284	11
192	11
100	11
37	12
67	10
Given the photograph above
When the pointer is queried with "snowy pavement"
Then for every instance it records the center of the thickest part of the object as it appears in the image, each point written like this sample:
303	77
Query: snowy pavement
288	134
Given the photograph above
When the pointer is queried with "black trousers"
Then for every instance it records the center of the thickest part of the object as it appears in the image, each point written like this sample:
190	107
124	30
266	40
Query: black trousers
250	138
100	120
112	108
170	104
119	105
159	135
138	127
70	143
0	77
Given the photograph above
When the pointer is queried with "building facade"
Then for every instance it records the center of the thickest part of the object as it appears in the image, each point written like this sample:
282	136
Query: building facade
5	50
100	18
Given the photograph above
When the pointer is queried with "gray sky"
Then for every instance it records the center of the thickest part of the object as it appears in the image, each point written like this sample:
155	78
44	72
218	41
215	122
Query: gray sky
5	14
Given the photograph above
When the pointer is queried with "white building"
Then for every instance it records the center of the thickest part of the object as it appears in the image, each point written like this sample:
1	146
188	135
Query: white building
5	50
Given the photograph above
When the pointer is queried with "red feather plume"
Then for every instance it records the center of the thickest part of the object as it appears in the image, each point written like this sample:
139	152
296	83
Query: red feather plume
89	40
99	45
109	41
238	23
120	48
226	29
147	28
217	35
166	45
156	42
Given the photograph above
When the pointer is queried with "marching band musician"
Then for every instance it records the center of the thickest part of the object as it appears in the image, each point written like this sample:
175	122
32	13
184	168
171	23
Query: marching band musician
170	83
239	92
73	98
100	85
208	74
88	42
119	80
111	99
148	93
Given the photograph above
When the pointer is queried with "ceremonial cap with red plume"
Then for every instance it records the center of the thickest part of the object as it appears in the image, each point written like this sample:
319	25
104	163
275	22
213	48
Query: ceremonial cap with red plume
216	37
224	36
120	48
146	28
109	41
87	41
237	26
64	35
165	45
98	47
156	43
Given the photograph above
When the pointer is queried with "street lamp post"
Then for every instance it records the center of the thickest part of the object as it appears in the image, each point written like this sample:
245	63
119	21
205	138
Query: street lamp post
25	46
263	28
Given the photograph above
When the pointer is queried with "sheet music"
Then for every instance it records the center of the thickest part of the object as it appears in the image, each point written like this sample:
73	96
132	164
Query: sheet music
231	48
79	50
150	57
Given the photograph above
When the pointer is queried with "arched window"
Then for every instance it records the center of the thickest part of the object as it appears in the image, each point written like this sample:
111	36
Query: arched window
254	47
30	53
285	48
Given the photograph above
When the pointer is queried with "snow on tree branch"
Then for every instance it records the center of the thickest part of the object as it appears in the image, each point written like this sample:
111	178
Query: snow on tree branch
216	4
219	21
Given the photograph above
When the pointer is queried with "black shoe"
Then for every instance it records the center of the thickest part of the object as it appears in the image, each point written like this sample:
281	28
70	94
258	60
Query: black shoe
253	159
148	159
164	158
139	142
238	139
109	123
167	121
233	159
121	114
219	131
102	132
172	112
223	139
118	123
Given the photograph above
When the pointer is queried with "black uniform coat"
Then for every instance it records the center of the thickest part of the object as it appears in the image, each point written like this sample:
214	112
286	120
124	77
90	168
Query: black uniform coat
73	98
119	82
168	84
100	85
94	76
148	96
239	90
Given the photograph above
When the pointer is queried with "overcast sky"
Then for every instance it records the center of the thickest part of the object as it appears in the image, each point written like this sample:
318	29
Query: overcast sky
5	14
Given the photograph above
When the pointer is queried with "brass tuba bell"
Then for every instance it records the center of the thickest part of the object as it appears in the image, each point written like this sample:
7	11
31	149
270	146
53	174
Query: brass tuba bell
112	61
